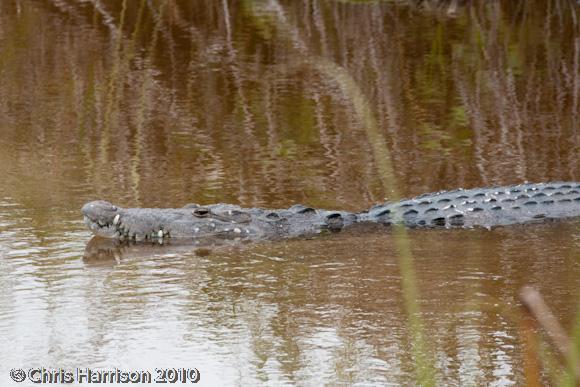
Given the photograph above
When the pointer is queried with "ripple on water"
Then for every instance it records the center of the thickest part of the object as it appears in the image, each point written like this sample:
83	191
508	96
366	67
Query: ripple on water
318	305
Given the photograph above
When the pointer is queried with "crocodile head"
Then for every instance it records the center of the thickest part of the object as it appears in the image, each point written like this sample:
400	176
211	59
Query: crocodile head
193	221
101	217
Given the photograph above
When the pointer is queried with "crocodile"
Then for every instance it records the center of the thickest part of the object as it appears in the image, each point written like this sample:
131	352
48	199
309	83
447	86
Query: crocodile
464	208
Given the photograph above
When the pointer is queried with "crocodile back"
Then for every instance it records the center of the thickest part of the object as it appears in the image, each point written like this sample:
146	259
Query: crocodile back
483	207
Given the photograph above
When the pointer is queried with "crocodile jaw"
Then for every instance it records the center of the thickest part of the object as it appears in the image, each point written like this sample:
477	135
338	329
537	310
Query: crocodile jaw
138	224
106	231
101	218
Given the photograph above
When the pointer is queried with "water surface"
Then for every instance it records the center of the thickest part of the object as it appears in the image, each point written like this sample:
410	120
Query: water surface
154	103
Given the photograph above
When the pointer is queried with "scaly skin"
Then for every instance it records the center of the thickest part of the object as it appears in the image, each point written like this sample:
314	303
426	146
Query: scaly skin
218	220
479	207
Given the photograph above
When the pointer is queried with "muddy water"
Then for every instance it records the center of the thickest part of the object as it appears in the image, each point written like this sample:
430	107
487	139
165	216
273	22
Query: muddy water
164	103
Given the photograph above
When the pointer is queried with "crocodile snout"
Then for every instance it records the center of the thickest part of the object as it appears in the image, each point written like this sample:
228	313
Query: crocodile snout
99	209
101	217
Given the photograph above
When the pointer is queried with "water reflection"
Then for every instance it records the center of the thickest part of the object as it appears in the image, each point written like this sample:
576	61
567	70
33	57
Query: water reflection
330	314
156	103
110	251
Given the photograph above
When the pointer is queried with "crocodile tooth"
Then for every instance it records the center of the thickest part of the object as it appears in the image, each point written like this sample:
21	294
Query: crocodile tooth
237	230
160	234
196	229
116	219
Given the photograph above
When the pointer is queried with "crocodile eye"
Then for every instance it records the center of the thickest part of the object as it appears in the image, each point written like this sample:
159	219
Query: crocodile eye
114	208
201	212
